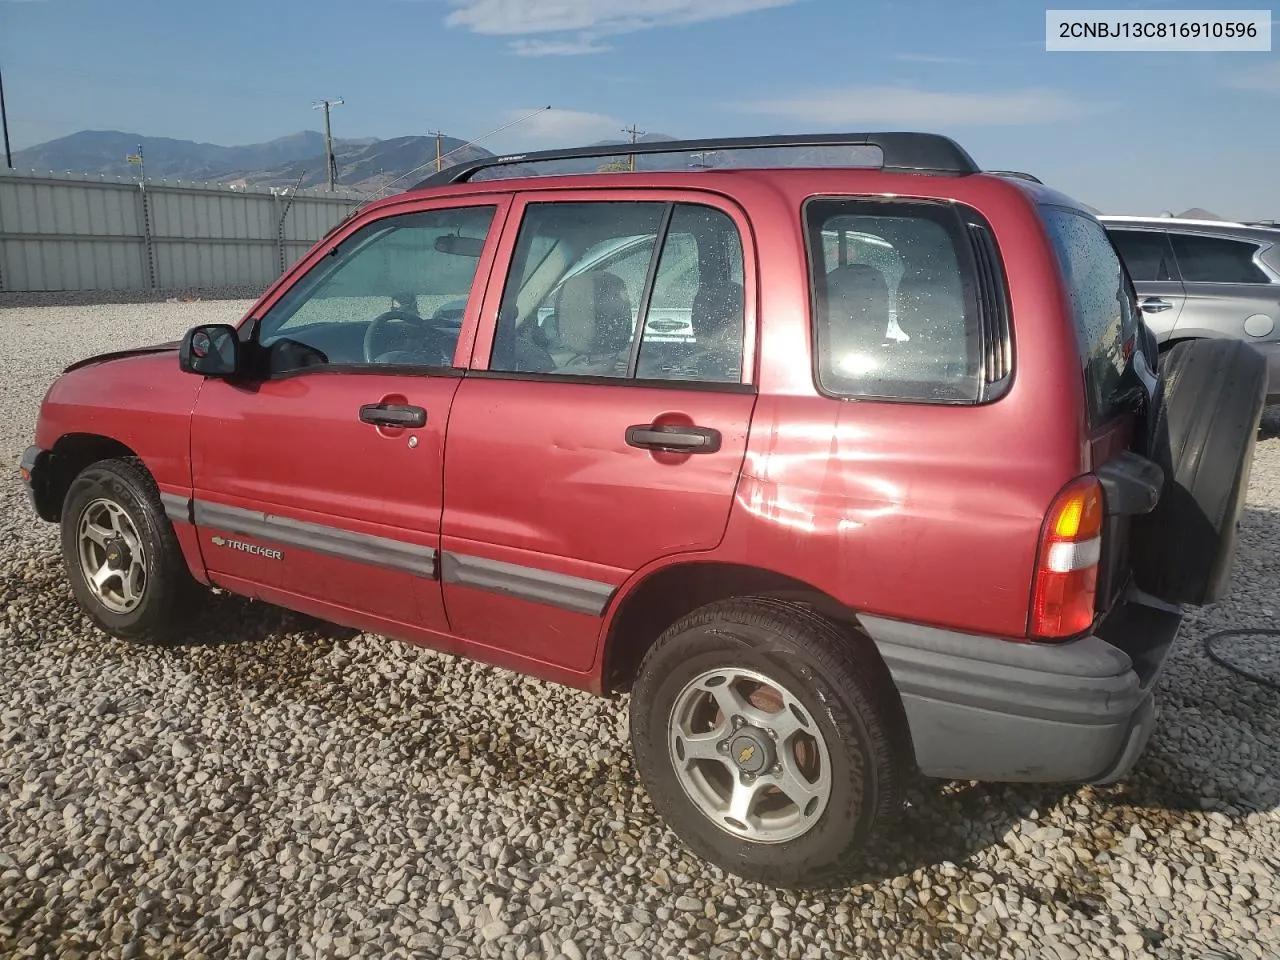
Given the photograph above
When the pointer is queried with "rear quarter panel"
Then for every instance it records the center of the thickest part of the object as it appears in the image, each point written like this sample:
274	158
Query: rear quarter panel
922	512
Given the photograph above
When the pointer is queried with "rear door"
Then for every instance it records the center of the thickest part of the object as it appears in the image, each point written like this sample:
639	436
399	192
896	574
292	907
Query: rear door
1225	287
580	449
1150	261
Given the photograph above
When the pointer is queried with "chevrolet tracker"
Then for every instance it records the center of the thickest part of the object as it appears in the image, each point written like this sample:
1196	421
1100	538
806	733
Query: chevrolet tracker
844	471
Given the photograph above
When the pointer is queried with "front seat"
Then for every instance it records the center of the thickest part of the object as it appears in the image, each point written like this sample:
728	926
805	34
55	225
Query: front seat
594	319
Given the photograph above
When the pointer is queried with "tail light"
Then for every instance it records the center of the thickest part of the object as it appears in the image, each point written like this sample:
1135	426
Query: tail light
1066	582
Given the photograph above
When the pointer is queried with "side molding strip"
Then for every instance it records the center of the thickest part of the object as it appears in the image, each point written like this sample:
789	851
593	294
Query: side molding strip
177	508
577	594
360	547
527	583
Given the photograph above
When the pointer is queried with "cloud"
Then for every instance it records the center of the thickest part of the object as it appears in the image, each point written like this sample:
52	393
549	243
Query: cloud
1264	77
568	126
931	58
600	17
559	48
908	106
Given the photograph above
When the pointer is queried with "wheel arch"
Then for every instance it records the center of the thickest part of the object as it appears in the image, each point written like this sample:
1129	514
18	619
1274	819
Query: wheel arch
70	454
663	596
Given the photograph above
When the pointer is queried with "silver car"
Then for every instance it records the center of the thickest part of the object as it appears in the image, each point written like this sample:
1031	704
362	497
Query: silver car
1206	278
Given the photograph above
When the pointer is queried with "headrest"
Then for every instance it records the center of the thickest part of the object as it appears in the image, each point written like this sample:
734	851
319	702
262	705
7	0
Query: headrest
593	313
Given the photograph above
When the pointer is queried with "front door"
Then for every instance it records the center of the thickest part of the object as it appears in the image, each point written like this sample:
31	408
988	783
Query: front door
591	442
318	480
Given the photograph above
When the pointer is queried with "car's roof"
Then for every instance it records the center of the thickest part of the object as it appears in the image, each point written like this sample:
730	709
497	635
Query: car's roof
730	181
917	157
1223	227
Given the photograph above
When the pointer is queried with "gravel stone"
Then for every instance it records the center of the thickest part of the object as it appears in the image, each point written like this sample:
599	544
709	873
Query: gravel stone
277	789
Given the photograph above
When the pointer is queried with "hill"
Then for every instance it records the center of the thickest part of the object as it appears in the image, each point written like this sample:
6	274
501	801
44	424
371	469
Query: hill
104	151
363	164
367	166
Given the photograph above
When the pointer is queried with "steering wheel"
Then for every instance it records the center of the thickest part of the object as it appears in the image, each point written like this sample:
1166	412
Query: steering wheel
435	352
377	330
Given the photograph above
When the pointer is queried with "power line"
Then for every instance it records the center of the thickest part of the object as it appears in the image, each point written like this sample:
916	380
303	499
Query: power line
439	156
328	138
495	130
631	160
4	122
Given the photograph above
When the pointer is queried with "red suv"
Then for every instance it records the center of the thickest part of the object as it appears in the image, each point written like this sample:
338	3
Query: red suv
845	472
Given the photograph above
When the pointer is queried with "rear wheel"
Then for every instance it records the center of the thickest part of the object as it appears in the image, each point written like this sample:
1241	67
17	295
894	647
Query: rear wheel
771	742
1204	437
122	556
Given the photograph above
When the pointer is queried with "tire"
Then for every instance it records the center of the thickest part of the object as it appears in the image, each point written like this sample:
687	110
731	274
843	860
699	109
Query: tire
120	496
848	721
1203	438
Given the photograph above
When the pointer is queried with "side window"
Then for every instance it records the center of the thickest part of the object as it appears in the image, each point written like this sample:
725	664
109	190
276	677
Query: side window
694	326
1146	254
394	292
891	316
1101	304
1216	260
578	313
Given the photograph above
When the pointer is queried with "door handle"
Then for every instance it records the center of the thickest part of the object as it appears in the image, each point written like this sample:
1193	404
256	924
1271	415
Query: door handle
673	438
393	415
1155	305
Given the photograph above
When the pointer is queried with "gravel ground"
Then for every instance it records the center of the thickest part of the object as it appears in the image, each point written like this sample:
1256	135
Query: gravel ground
272	791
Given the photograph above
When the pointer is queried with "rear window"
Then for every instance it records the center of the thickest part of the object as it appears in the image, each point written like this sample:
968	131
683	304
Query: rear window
1216	259
895	315
1271	256
1101	304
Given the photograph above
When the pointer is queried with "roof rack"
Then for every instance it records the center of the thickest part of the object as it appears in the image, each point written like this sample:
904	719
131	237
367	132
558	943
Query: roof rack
1130	218
902	152
1018	174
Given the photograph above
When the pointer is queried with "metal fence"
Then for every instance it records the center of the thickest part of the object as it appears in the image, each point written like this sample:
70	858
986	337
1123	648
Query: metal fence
68	232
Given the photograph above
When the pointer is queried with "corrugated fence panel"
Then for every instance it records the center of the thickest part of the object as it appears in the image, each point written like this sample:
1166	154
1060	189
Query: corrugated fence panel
185	263
76	233
47	265
310	218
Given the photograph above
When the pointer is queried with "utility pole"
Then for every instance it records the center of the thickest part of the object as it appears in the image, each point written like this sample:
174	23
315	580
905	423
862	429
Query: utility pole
635	134
4	122
328	137
439	156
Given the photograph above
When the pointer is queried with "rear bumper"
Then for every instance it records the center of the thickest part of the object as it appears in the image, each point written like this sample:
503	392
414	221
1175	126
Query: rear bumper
982	708
1272	352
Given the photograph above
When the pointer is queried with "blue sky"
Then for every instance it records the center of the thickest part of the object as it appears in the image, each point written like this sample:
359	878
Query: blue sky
1126	132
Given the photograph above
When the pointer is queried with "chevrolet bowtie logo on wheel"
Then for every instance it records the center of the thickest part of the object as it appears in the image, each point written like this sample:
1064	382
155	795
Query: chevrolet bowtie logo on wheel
243	547
745	756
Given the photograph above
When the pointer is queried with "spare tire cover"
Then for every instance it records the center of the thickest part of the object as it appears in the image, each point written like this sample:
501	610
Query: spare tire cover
1203	438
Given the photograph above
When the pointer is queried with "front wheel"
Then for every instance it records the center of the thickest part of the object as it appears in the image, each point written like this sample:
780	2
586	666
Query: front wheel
123	559
771	742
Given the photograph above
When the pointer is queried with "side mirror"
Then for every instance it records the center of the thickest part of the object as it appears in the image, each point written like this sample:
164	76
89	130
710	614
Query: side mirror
212	350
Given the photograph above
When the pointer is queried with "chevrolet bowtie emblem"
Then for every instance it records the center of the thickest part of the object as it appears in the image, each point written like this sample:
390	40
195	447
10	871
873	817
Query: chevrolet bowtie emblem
746	755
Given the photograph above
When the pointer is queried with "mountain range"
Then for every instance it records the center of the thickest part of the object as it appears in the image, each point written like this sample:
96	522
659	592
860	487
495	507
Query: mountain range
363	164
